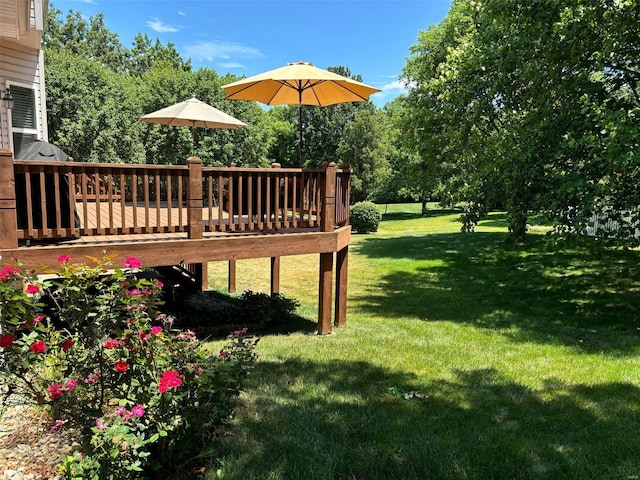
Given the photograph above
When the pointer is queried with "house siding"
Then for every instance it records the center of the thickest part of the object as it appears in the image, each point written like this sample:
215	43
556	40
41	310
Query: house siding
23	67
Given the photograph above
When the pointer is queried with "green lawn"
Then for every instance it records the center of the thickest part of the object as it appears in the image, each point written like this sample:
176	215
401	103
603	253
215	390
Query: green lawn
463	357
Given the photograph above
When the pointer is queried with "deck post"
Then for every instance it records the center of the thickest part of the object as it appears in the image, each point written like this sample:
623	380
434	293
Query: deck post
8	216
194	215
328	218
194	198
324	293
327	224
202	275
275	275
342	264
231	286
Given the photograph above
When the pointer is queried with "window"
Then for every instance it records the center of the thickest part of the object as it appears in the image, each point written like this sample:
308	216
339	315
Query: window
24	125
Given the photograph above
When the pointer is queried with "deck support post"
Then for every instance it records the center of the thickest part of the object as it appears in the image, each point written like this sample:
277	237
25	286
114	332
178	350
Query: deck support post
202	275
324	293
231	285
275	275
342	265
8	215
327	224
194	214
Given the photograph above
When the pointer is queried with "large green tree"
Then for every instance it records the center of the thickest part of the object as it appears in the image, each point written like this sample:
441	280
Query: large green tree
534	104
364	148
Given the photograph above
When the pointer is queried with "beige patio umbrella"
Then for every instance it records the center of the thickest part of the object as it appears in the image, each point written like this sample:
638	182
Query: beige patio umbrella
193	113
299	83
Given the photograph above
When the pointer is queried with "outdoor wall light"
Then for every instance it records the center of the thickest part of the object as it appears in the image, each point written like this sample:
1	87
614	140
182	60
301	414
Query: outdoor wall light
7	99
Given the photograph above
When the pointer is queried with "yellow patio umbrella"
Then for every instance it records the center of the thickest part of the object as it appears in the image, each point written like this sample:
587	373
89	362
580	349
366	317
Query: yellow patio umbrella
193	113
299	83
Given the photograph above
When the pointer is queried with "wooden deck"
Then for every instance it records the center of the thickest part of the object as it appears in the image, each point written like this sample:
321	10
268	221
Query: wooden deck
170	215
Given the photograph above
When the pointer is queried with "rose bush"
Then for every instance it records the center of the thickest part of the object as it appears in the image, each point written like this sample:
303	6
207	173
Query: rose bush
94	349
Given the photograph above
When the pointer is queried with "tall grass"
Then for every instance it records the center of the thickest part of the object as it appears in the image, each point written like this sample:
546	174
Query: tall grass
464	358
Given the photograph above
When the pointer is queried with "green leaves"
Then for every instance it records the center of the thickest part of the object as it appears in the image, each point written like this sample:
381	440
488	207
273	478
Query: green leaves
509	96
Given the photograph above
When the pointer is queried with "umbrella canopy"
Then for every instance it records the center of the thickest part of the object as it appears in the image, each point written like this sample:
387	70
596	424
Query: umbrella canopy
193	113
41	150
299	83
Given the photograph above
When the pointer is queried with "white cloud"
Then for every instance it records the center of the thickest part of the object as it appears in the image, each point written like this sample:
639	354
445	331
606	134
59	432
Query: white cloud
181	13
160	27
232	65
389	91
213	51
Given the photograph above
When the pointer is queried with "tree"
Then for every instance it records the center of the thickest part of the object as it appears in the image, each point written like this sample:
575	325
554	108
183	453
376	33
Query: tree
91	40
92	111
534	101
144	55
322	127
363	148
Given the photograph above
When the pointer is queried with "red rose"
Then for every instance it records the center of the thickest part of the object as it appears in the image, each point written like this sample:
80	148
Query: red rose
6	340
169	379
64	258
38	347
111	343
122	367
31	288
66	345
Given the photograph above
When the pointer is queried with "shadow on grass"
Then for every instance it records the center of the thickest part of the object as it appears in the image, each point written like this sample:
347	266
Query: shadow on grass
570	297
361	421
494	219
411	216
214	315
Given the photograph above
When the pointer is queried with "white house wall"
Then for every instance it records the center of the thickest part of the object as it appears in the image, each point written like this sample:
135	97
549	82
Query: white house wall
21	59
23	67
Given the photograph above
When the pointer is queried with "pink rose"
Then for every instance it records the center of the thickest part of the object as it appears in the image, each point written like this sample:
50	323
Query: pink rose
138	411
132	262
55	391
31	288
9	271
64	258
70	384
156	330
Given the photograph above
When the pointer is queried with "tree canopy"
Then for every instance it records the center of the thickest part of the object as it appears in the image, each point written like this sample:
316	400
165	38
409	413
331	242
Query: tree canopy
530	106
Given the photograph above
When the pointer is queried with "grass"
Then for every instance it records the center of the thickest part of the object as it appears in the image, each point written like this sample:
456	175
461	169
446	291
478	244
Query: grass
463	358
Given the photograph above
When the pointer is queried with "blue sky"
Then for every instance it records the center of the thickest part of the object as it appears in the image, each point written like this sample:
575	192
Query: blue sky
246	37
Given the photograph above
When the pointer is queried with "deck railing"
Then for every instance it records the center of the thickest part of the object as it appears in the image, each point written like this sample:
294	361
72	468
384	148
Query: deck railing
56	200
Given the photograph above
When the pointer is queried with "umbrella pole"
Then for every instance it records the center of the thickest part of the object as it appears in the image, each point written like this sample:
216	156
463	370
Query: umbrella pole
300	133
193	140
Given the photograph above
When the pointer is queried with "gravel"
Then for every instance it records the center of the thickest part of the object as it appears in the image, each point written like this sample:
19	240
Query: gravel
28	449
